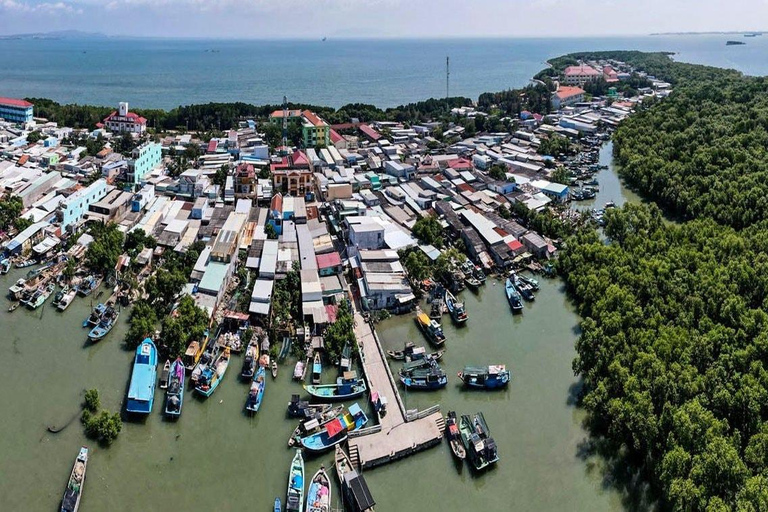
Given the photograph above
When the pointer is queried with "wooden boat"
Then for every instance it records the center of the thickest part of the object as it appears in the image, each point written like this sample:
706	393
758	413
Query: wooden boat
59	296
453	436
431	328
249	362
67	299
486	377
347	386
295	497
25	263
303	409
336	430
95	317
210	354
165	374
278	505
425	378
513	297
87	285
317	368
141	393
13	307
411	352
42	295
313	424
479	275
352	484
174	395
345	361
531	281
274	369
5	266
523	288
319	492
480	446
194	352
74	491
472	281
212	376
298	370
456	309
108	321
256	393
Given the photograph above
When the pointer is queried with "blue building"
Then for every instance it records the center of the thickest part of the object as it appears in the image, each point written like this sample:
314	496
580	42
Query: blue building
73	208
15	111
143	159
276	213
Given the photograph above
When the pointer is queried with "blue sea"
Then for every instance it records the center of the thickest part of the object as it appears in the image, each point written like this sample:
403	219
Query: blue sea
164	73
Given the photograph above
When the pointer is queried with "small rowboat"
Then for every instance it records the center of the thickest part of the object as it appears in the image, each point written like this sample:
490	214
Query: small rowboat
274	369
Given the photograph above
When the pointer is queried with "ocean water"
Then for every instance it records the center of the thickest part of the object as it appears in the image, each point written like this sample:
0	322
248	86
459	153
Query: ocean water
163	73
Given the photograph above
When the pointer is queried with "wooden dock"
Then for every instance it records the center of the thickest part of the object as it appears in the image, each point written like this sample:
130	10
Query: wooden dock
400	433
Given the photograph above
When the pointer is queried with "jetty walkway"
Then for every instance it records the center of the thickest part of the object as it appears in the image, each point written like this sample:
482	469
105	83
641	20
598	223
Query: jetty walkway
399	432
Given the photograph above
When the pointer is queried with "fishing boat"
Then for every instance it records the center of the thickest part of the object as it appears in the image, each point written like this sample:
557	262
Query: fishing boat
298	370
317	368
513	297
303	409
25	263
141	393
74	491
256	393
353	485
532	282
472	281
456	309
108	321
524	288
336	430
194	352
479	275
13	307
274	369
295	497
41	295
423	377
59	296
485	377
15	291
347	386
480	446
165	375
313	424
211	377
319	492
87	285
210	353
411	352
5	266
278	505
95	316
345	361
453	436
174	394
249	362
67	299
431	328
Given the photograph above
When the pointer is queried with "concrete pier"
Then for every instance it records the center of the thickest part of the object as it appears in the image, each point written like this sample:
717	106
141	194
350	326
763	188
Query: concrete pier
399	434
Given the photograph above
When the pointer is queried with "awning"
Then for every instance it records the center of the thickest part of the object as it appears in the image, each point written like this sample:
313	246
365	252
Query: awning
334	427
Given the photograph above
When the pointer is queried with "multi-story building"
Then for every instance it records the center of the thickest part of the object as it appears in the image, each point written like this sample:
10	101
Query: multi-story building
122	121
314	131
566	95
73	208
245	182
143	159
581	74
15	110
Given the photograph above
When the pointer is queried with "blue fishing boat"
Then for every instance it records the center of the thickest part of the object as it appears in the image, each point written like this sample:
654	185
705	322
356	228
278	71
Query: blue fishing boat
87	285
317	368
431	328
295	497
476	437
427	378
141	393
174	394
278	505
524	288
347	386
211	377
108	321
336	430
513	297
486	377
319	492
256	393
95	316
456	309
532	281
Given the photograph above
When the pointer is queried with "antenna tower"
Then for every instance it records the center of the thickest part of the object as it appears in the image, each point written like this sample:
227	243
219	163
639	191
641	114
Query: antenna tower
285	121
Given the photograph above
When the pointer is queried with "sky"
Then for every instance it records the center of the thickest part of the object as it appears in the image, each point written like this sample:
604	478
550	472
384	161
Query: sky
300	19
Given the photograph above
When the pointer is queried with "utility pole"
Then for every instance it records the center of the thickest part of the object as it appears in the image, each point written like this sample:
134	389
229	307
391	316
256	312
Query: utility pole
285	121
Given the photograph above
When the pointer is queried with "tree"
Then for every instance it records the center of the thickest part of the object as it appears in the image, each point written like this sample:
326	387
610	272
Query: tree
164	286
10	211
104	428
428	230
220	178
143	322
341	332
417	265
92	401
270	231
187	323
106	247
33	137
560	175
22	223
498	172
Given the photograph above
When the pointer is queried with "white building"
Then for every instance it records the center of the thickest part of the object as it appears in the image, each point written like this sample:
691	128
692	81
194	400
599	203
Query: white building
122	121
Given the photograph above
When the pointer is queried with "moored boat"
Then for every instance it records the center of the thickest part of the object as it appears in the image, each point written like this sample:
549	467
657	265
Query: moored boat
411	352
456	309
336	430
211	377
347	386
426	378
353	485
453	436
194	352
165	374
513	297
13	307
431	328
298	370
295	496
313	424
87	285
174	395
531	281
74	491
486	377
274	369
210	353
278	505
345	361
524	288
303	409
141	392
59	296
95	317
319	492
41	295
256	393
249	362
108	321
480	446
479	275
5	266
317	368
67	299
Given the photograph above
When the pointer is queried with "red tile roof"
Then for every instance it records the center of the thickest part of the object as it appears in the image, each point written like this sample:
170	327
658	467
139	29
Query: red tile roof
331	259
460	164
464	187
291	113
581	70
300	159
212	145
331	311
133	116
313	118
277	203
565	91
335	137
369	132
13	102
515	245
23	159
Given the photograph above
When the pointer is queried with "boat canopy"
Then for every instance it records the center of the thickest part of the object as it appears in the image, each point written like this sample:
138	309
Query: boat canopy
360	494
355	409
334	427
423	319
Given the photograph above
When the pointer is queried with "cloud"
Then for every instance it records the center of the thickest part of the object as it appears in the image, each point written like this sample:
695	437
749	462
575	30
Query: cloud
40	7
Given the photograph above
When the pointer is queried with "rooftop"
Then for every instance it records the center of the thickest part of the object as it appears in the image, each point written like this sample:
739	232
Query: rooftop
13	102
